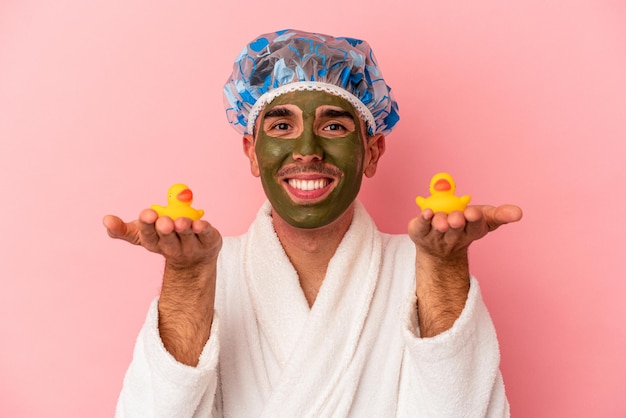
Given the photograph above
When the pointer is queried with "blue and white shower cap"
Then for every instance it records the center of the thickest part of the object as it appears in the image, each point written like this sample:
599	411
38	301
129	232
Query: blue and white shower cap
291	60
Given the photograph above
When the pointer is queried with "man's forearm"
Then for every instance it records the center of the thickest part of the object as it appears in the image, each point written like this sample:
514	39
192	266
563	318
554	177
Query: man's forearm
442	286
186	310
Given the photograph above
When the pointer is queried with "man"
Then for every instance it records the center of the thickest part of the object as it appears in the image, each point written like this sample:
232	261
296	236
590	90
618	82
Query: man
313	312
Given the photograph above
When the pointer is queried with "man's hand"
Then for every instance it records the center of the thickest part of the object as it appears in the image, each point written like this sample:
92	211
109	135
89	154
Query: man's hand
447	236
186	303
184	243
442	270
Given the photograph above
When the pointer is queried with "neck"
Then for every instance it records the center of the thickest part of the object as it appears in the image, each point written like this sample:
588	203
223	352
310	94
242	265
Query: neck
310	250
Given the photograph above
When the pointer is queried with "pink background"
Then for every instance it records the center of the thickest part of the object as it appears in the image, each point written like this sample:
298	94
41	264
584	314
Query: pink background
104	104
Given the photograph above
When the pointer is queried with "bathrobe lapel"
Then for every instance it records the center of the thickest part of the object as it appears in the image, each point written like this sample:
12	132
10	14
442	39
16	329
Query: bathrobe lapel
327	338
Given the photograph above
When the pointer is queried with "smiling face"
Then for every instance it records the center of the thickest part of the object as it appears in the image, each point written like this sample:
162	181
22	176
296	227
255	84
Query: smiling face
310	152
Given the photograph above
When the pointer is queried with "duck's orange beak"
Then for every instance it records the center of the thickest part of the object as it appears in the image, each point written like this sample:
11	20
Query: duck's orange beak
185	196
442	185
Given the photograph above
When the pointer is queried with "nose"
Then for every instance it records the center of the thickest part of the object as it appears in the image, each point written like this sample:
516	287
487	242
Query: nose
307	147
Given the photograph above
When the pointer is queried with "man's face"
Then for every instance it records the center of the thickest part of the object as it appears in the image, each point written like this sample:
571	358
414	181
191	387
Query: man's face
309	152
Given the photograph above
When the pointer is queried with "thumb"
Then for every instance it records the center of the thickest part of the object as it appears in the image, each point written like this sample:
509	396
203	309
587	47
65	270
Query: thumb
503	215
116	228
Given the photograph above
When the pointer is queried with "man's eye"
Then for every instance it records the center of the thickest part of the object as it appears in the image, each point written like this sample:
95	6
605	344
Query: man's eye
281	126
334	127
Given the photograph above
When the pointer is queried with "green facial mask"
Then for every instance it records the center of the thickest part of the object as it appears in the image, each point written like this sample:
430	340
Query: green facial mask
312	174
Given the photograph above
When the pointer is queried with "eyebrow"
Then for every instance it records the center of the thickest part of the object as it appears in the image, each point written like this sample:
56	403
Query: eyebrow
334	113
278	112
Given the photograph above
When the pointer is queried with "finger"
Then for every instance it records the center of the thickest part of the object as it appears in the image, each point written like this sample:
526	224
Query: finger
169	243
456	231
209	237
114	225
501	215
183	225
456	220
166	231
200	227
148	216
147	228
476	213
204	231
508	213
118	229
421	225
440	222
188	239
476	226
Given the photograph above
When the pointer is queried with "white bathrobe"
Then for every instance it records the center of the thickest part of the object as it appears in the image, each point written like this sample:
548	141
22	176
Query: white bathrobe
355	353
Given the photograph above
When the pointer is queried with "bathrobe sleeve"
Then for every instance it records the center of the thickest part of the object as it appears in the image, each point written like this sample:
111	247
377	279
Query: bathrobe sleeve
156	385
456	373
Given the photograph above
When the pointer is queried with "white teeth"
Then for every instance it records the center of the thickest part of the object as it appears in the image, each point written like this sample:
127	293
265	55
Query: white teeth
308	184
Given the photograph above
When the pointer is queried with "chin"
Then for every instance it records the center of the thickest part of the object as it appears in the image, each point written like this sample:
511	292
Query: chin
310	222
312	217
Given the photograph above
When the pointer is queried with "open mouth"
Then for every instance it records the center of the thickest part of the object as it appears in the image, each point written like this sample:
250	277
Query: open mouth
308	185
305	190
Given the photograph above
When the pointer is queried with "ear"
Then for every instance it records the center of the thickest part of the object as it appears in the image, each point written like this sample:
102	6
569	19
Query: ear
248	150
374	149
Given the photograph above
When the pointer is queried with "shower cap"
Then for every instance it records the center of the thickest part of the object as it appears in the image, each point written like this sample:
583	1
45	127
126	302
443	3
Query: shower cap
291	60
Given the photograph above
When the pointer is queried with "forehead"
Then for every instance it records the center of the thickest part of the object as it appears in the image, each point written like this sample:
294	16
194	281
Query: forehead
309	101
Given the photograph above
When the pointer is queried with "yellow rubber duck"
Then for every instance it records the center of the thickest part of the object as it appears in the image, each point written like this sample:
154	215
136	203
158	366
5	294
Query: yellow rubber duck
179	198
442	198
